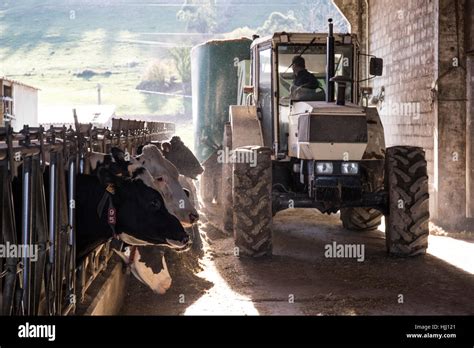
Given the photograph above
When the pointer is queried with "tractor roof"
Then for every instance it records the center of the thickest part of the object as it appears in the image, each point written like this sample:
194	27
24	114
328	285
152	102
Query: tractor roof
304	38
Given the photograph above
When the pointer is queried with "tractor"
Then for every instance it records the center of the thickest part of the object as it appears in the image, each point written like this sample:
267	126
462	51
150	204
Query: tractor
270	144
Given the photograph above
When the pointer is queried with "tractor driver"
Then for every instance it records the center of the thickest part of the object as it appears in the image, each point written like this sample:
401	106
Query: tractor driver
305	84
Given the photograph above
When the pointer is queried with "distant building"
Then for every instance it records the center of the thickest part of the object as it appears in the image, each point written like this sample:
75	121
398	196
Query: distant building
19	104
99	115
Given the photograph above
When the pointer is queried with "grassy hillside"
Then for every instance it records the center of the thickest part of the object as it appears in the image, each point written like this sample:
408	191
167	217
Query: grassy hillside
46	42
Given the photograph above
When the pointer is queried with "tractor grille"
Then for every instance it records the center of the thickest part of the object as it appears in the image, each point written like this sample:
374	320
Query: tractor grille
332	129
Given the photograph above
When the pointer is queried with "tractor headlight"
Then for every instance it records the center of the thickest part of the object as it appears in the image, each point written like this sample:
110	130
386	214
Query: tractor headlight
350	168
324	168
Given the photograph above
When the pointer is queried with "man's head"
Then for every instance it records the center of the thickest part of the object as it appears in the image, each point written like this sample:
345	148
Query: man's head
298	64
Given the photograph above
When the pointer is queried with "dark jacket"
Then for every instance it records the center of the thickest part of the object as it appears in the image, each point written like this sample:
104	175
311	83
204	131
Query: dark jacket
306	79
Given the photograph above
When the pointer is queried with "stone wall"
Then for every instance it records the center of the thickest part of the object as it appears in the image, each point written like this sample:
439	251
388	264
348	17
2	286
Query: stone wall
423	93
402	32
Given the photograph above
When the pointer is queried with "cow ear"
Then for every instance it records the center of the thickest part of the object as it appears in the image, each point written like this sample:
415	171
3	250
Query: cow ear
107	177
118	155
121	163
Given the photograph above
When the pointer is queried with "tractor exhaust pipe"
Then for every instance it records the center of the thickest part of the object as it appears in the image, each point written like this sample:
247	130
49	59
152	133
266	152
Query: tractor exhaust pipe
330	64
341	83
341	94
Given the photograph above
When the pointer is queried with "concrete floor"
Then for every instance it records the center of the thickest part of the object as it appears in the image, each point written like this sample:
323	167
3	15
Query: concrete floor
300	280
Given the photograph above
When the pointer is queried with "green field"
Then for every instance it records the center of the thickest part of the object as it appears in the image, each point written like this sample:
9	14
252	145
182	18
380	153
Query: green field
45	45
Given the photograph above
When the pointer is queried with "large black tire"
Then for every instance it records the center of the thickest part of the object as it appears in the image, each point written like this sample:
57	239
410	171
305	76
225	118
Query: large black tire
252	216
360	219
406	180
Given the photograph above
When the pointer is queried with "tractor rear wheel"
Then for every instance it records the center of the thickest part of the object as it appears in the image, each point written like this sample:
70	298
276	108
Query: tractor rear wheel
360	219
252	201
406	180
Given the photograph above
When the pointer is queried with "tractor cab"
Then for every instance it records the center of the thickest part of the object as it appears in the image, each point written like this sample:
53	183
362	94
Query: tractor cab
279	84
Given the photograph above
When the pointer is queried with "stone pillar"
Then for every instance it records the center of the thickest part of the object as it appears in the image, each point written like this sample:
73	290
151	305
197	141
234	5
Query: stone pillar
469	30
470	139
450	121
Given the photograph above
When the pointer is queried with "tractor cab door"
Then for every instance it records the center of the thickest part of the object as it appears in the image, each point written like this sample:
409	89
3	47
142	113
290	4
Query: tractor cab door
263	83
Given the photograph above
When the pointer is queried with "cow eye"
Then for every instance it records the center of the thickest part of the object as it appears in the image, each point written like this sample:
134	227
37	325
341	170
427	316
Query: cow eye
156	204
160	178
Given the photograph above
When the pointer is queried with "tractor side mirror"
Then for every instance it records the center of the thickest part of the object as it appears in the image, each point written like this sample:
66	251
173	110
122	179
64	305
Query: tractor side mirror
248	89
376	66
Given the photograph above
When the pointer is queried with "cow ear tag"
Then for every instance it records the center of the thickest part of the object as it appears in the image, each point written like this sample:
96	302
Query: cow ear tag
110	189
111	216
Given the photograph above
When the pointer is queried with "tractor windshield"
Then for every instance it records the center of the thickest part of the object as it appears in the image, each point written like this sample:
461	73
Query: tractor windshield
303	76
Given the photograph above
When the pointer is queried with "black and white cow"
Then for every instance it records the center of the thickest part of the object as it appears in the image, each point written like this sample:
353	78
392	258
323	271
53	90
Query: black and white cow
147	264
164	177
180	198
109	205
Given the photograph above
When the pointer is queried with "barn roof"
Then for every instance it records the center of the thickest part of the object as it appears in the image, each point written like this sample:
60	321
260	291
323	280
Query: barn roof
15	82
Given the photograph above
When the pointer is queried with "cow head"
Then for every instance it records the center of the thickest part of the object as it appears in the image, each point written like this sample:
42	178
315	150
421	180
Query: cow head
141	217
166	178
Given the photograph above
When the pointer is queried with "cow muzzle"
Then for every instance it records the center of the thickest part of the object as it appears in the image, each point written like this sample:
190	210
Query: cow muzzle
183	245
193	218
190	220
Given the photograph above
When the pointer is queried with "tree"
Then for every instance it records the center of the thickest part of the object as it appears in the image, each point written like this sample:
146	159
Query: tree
277	21
198	18
182	61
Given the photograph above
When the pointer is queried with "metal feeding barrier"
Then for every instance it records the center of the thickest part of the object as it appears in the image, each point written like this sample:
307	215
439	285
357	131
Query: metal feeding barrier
38	273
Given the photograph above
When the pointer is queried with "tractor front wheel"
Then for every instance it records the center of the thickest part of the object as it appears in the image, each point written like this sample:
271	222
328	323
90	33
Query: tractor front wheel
252	201
406	179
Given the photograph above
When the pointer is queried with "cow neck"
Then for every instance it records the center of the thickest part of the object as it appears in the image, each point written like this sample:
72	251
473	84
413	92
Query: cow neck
89	194
107	204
